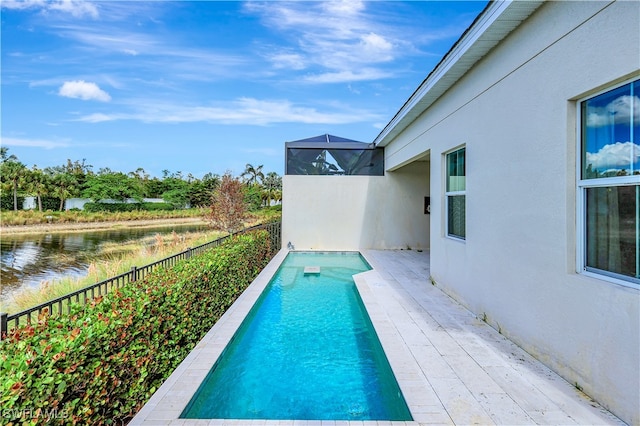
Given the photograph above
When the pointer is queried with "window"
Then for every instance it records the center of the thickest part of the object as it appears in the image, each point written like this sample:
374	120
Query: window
609	184
455	194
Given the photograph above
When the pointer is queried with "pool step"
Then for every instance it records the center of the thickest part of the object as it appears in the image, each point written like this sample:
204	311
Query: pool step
311	270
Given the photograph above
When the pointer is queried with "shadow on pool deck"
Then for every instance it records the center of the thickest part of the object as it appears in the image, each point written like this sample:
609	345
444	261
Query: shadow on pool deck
452	367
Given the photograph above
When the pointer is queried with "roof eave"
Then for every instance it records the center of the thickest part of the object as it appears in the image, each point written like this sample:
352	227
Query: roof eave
491	26
331	145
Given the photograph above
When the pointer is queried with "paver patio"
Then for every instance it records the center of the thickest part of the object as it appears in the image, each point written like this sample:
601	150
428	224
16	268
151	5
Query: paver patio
451	366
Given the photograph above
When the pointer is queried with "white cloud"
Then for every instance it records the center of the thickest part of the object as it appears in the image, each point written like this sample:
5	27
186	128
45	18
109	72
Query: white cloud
242	111
108	40
45	82
81	89
353	89
618	110
154	53
23	4
348	76
36	143
76	8
293	61
614	155
335	36
98	118
344	7
375	44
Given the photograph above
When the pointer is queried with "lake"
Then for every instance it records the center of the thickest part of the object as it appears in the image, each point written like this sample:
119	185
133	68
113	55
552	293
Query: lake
28	260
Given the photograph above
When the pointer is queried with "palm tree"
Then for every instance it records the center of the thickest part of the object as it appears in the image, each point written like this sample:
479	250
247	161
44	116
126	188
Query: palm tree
141	177
253	173
37	184
6	157
271	183
65	186
277	196
12	174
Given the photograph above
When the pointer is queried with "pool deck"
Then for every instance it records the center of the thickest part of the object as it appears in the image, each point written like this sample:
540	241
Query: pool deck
452	368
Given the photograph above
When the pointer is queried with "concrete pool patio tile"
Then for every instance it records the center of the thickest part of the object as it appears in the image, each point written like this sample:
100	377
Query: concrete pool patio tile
469	363
452	367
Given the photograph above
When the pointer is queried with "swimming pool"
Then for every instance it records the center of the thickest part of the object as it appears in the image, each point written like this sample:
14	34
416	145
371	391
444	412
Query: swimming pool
307	351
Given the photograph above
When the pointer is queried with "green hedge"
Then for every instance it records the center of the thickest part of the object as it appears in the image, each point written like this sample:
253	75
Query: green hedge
6	202
48	203
126	207
101	364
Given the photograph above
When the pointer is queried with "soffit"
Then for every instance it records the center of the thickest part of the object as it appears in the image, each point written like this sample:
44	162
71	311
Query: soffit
492	25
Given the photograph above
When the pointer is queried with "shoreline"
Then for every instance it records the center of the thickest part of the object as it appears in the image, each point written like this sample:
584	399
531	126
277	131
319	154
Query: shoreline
48	228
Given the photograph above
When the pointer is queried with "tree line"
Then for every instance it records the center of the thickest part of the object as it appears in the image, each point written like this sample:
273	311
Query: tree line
77	179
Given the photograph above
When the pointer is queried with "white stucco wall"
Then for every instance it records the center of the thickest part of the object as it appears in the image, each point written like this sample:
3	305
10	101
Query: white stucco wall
354	212
78	203
29	203
516	114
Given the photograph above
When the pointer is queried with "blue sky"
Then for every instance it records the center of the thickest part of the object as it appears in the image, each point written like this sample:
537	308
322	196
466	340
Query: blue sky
208	86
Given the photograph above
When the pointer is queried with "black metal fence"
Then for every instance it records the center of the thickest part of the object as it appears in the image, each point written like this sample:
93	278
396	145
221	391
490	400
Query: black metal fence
62	304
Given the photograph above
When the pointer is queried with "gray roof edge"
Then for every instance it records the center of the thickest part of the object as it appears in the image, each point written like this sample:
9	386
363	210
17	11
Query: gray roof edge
331	145
451	64
327	138
328	141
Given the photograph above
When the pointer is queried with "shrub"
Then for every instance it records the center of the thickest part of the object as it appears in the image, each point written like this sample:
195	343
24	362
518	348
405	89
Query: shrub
103	362
158	206
6	202
253	197
126	207
49	203
228	210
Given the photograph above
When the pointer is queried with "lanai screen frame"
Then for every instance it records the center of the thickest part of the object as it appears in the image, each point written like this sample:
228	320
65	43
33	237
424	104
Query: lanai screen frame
349	157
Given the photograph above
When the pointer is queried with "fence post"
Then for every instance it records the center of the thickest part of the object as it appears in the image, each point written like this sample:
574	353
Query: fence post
188	252
134	274
3	324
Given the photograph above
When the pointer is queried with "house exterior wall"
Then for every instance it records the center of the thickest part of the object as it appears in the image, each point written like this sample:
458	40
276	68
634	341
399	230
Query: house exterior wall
355	212
515	112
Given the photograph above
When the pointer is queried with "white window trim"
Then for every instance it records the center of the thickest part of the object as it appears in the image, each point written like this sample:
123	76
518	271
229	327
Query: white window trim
582	185
448	234
581	243
448	194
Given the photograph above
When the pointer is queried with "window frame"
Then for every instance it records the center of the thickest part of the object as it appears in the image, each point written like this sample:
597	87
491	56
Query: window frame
582	185
448	194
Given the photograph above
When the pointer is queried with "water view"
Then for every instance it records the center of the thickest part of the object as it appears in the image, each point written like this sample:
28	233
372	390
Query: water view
29	260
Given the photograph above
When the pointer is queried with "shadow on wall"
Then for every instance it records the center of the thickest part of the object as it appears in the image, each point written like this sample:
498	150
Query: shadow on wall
356	212
394	216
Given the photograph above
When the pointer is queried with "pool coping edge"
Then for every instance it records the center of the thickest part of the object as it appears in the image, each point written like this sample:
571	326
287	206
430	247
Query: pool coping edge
168	402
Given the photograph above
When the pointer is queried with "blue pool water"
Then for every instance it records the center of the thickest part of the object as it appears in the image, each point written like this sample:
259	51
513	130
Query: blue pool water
307	351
